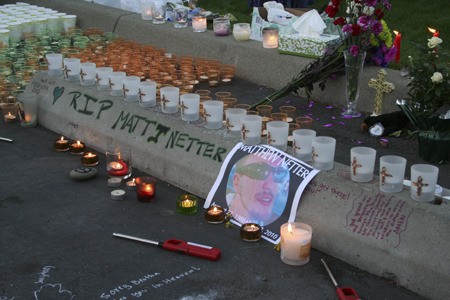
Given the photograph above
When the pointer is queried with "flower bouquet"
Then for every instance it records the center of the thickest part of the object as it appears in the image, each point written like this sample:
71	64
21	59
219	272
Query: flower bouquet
363	29
428	107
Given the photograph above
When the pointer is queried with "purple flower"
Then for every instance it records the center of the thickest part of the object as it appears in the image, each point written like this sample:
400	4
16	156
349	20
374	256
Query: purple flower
387	4
347	28
370	3
376	27
390	55
364	22
354	50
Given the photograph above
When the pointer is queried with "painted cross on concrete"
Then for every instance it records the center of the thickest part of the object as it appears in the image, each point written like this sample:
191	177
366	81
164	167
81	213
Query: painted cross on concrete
381	86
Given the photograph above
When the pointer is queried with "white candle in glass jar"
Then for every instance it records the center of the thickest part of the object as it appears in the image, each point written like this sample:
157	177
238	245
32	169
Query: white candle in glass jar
295	243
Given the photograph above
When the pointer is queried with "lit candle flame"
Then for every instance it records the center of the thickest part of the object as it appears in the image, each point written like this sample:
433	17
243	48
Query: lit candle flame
290	229
215	209
148	188
78	143
396	32
433	31
62	138
90	154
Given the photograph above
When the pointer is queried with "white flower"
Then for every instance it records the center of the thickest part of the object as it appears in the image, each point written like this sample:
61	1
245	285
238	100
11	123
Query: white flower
434	41
437	77
368	10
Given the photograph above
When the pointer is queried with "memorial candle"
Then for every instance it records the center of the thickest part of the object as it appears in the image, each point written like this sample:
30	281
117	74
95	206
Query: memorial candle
187	204
250	232
295	243
270	37
215	214
145	188
77	148
89	159
199	23
397	44
434	32
9	118
61	144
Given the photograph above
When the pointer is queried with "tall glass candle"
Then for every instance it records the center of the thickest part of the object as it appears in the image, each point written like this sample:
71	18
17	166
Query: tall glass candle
270	37
199	23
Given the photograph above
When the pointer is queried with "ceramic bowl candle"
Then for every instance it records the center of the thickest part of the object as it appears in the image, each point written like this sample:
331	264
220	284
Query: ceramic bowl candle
187	204
215	214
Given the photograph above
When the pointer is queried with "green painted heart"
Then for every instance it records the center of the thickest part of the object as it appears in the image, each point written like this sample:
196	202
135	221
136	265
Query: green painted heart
57	93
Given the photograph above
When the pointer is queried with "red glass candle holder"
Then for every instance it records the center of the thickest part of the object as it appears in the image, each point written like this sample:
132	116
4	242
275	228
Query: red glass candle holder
145	188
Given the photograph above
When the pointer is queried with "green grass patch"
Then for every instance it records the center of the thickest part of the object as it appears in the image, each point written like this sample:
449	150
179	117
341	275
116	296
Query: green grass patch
411	18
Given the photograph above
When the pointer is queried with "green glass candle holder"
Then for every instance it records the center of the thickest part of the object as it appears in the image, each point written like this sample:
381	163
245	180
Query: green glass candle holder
187	204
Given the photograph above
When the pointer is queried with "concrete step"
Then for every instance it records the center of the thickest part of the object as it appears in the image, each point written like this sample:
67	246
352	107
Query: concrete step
387	235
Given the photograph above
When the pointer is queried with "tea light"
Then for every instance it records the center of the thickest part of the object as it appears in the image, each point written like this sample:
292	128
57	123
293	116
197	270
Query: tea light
89	159
199	23
215	214
114	182
118	168
270	37
187	204
295	243
131	185
9	118
61	144
145	188
77	148
118	195
251	232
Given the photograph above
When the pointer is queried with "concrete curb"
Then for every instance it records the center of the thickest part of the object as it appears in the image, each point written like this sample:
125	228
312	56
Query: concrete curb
387	235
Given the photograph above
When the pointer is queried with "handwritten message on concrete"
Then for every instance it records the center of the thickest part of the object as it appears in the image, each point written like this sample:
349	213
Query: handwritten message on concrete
380	217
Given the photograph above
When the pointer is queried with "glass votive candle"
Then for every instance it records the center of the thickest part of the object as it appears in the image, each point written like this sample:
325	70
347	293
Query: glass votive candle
55	62
180	17
251	129
61	144
102	78
295	243
304	121
187	204
221	26
323	149
87	73
9	111
302	143
241	32
213	114
146	9
362	163
423	182
215	214
118	163
147	93
250	232
145	188
233	119
229	103
392	173
277	134
71	69
170	98
159	13
270	37
278	116
199	23
115	81
77	148
289	111
264	111
131	88
190	107
89	159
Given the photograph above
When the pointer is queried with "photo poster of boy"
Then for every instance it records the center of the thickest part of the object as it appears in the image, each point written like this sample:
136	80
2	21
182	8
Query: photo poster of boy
260	184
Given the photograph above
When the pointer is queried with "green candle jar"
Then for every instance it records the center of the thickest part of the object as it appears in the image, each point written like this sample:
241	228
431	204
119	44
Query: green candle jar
187	204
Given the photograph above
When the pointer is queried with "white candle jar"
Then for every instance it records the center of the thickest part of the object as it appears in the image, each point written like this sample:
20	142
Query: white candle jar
146	9
270	37
87	73
241	31
199	23
170	98
72	69
190	106
295	243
